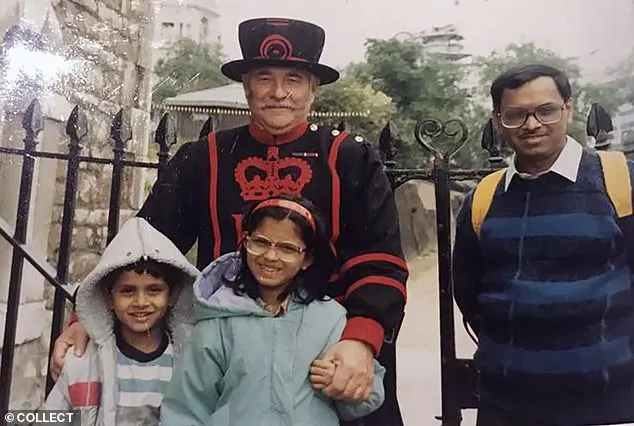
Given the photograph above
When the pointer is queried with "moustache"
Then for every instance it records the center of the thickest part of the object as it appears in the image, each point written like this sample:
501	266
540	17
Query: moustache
278	106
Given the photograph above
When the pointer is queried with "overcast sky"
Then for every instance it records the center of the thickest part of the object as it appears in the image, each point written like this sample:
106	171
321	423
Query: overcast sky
599	32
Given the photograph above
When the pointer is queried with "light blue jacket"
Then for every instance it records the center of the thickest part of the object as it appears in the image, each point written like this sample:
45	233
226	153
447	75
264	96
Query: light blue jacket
244	366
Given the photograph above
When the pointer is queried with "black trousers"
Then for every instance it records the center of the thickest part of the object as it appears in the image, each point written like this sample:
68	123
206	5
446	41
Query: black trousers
490	416
389	414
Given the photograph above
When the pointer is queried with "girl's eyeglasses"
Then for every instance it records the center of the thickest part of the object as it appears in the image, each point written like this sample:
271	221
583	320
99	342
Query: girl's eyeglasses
258	245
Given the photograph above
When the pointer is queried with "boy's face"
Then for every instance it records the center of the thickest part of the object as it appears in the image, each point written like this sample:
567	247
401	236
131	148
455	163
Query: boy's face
139	301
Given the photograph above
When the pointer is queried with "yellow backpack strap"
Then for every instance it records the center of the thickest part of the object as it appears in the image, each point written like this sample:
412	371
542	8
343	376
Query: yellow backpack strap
483	197
616	175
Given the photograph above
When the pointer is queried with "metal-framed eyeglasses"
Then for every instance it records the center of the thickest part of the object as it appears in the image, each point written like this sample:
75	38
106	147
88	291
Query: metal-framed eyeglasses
514	118
258	245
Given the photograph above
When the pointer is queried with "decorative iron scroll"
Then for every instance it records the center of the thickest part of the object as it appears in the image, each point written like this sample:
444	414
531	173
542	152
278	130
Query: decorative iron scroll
434	129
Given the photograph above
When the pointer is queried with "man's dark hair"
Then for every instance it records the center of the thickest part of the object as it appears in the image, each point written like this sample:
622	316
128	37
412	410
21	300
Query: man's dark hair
518	76
170	274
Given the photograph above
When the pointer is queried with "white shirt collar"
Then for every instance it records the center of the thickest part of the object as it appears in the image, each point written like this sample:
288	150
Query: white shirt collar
566	165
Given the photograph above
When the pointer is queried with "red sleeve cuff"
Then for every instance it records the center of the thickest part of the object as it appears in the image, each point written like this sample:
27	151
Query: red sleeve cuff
365	330
73	318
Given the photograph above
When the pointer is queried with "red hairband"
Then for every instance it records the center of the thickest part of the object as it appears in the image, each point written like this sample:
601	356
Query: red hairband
290	205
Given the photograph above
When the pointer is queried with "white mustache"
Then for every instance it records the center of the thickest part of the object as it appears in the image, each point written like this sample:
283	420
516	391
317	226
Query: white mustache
287	106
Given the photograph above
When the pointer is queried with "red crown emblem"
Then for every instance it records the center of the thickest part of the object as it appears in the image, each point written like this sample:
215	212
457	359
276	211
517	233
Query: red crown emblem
260	179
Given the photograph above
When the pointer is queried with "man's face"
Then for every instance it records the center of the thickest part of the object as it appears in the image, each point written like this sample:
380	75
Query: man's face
280	98
542	134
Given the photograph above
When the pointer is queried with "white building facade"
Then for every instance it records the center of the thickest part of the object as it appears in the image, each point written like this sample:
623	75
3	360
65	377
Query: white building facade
175	20
445	41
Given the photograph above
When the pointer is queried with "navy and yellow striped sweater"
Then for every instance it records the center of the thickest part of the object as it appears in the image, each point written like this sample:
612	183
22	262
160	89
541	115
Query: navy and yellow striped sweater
548	289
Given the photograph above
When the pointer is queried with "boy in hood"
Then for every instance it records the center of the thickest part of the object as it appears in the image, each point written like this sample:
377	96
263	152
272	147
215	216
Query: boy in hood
137	308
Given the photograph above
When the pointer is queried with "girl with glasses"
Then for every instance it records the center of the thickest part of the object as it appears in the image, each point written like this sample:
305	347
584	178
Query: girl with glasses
263	323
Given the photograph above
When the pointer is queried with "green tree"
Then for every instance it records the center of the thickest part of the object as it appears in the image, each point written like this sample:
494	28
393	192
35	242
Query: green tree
623	80
349	94
188	66
419	83
422	85
525	53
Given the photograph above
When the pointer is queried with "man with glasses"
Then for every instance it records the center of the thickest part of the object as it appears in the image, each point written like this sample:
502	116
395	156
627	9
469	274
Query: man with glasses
544	277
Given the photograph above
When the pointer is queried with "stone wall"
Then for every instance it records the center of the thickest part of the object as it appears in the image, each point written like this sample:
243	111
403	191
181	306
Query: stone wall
108	43
416	202
112	38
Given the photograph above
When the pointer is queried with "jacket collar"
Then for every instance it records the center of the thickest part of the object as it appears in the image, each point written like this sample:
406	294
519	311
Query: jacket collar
265	137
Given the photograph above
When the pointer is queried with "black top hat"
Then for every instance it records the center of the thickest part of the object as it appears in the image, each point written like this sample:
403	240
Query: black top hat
280	42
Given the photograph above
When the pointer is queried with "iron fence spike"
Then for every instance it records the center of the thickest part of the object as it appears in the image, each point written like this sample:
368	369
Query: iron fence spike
32	120
77	125
165	132
209	127
121	129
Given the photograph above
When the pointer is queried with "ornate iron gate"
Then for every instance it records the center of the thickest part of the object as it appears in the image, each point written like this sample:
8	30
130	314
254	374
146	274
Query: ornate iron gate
457	375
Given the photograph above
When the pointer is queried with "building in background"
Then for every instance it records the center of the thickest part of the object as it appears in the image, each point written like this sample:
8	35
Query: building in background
198	20
227	105
623	122
444	41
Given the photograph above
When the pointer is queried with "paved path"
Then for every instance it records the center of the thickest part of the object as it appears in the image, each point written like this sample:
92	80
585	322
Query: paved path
419	349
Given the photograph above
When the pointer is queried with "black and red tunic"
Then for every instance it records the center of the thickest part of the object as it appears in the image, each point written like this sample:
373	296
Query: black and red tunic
208	183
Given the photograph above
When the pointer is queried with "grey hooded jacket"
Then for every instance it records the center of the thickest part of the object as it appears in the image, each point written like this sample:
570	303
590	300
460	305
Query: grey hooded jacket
89	383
